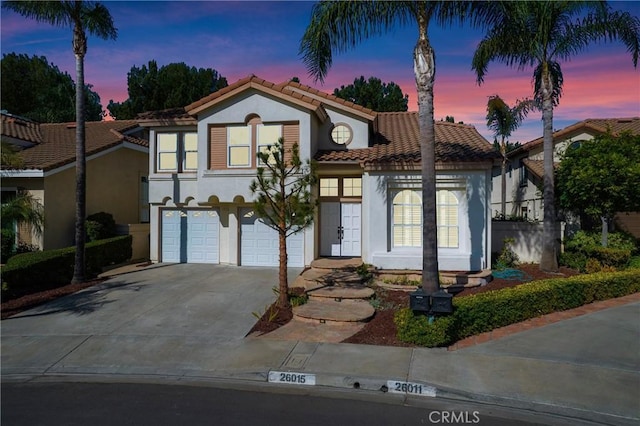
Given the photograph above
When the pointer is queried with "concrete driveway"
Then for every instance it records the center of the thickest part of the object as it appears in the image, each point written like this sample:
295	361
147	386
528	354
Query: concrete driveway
164	310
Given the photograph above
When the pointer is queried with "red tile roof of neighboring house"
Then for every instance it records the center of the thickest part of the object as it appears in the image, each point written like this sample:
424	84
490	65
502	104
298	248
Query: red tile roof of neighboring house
169	116
20	128
397	140
590	125
535	166
58	144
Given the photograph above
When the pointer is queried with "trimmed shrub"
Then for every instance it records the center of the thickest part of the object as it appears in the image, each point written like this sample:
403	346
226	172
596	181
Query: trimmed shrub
574	260
494	309
32	272
419	330
100	226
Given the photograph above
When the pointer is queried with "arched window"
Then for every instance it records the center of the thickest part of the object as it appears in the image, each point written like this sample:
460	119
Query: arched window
447	218
407	219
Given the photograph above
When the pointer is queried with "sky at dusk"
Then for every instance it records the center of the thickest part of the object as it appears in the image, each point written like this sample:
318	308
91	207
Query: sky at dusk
262	38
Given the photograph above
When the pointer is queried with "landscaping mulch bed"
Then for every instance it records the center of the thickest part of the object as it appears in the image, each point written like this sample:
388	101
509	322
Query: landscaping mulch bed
381	330
15	306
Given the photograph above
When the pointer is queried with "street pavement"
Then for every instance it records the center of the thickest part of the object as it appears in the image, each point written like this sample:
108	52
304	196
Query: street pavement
187	323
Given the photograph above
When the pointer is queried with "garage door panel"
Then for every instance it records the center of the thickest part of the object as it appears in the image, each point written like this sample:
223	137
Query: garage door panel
190	236
259	245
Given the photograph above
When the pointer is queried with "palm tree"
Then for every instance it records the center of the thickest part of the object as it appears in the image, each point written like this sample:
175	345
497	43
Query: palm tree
337	26
503	120
23	209
540	34
82	17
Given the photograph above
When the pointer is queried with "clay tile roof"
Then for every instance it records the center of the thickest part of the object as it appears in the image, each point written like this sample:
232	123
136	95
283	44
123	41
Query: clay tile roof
166	117
59	140
535	166
256	82
215	95
396	140
20	128
301	87
591	125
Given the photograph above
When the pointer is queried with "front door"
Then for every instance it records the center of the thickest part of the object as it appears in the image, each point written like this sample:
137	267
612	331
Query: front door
341	233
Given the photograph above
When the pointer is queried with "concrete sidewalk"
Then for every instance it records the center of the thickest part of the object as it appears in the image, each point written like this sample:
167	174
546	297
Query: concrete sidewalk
181	323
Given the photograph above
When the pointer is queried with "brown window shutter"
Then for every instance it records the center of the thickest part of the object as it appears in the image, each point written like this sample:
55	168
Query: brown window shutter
291	135
217	148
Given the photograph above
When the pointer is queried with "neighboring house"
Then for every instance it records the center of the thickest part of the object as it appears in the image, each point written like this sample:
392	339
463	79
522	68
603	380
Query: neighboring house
526	170
117	169
203	160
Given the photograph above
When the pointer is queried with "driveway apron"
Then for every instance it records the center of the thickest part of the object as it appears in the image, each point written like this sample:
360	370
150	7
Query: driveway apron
153	321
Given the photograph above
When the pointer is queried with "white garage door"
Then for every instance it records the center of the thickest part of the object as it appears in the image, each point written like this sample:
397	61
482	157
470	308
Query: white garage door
190	236
259	243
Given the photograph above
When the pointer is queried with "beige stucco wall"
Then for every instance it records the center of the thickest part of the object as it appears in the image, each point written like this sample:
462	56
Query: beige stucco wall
113	186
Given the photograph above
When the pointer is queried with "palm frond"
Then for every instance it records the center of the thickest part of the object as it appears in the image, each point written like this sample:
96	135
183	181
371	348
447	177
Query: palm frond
338	26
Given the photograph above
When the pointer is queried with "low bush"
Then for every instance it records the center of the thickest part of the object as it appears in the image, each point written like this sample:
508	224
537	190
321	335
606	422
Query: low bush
634	263
100	226
507	257
490	310
582	241
37	271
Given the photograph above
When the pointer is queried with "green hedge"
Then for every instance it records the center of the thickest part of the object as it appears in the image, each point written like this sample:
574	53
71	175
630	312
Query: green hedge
494	309
32	272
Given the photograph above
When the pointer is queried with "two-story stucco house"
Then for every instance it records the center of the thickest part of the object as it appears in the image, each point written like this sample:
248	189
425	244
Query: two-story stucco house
526	170
117	169
203	159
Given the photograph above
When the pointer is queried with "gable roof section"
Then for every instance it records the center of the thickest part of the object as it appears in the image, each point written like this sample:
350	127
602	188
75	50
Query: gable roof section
20	129
331	100
593	126
397	141
252	82
58	145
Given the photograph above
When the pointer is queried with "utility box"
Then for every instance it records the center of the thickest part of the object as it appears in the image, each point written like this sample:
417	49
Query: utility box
419	301
441	302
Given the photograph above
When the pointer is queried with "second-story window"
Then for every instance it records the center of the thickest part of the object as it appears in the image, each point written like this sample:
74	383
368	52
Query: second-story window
177	152
239	145
267	136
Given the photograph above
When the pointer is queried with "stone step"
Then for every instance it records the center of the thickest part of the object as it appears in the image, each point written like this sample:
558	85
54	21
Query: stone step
345	311
340	293
330	263
341	277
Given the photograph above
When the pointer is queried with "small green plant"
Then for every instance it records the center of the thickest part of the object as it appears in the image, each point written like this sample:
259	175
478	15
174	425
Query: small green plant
402	280
364	271
271	313
297	297
507	258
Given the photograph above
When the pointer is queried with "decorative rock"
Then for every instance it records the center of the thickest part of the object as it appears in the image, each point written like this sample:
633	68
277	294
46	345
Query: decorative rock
345	311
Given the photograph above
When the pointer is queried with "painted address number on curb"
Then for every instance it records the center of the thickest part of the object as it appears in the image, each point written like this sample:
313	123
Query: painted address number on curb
292	378
412	388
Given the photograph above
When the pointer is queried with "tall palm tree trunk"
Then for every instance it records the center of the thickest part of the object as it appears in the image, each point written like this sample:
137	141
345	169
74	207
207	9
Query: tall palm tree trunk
425	68
80	48
503	179
549	259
